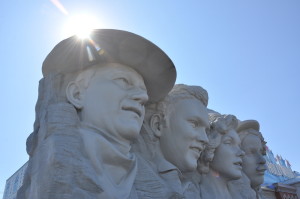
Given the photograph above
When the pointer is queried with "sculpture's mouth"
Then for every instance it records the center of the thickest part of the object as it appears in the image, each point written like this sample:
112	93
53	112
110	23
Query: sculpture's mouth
133	109
197	149
261	171
239	164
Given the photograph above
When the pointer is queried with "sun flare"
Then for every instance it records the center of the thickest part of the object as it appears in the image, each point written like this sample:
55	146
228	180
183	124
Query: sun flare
80	25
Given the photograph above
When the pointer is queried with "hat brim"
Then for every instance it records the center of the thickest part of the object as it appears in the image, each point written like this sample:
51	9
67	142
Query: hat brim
109	45
248	124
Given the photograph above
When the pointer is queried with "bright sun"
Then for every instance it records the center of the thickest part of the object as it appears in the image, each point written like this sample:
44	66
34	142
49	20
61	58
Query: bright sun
80	25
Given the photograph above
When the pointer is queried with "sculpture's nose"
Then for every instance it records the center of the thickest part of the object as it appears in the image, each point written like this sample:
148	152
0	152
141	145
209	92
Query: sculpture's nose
140	95
241	153
202	136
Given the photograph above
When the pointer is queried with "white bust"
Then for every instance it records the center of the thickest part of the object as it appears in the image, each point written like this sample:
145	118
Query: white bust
110	101
223	156
254	163
174	133
89	111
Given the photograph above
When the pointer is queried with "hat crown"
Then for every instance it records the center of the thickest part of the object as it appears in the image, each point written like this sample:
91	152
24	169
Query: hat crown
109	45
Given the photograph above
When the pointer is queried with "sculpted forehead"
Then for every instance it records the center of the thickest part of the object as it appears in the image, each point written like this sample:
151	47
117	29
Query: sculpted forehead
251	141
232	134
190	109
110	69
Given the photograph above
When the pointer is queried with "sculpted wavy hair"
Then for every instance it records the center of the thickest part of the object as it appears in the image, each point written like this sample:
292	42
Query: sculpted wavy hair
219	126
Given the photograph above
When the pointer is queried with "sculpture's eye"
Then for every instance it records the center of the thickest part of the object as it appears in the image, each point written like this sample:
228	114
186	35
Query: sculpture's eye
193	123
122	81
228	141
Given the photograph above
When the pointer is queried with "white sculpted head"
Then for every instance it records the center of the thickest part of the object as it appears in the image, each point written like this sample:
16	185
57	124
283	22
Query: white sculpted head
223	155
179	123
90	109
110	97
254	146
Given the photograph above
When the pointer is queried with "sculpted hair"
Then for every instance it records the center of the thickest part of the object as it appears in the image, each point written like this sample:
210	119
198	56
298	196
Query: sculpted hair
179	92
219	126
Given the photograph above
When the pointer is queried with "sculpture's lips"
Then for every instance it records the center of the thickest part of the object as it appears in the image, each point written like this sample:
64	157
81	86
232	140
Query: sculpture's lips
133	109
197	149
261	171
238	163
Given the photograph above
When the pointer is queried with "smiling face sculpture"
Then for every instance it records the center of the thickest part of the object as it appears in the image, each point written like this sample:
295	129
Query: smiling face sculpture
111	98
90	109
185	133
223	154
227	156
227	160
221	161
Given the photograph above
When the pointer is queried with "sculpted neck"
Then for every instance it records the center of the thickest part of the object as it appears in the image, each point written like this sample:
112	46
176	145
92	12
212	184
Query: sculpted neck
217	186
111	159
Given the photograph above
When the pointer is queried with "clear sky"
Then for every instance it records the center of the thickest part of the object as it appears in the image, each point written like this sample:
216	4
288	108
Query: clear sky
245	53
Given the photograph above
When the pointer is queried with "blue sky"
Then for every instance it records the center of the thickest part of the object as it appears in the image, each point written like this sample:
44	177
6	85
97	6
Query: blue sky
245	53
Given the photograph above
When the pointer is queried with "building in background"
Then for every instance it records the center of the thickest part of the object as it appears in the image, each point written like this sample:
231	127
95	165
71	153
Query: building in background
279	169
280	180
14	183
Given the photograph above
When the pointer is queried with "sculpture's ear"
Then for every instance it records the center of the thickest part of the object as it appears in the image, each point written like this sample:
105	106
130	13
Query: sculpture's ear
155	124
74	94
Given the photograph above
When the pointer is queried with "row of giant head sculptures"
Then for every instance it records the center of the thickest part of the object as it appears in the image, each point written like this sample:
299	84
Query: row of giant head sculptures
111	124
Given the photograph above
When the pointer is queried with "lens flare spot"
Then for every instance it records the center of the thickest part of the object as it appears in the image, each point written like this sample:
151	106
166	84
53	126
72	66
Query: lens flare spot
80	25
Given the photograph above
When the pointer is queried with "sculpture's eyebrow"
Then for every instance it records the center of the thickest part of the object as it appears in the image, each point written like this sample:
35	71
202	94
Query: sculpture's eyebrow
199	120
120	73
250	148
129	75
